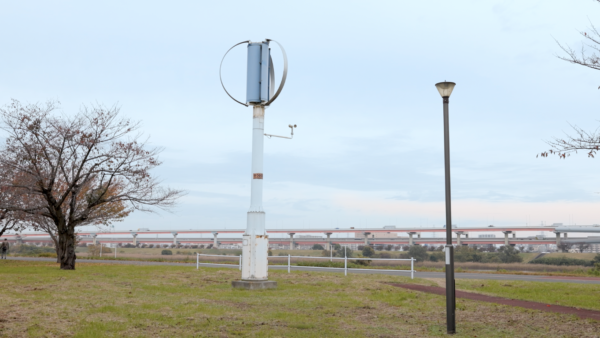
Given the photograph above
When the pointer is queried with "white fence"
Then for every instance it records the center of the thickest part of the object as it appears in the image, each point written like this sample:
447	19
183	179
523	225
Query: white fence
345	268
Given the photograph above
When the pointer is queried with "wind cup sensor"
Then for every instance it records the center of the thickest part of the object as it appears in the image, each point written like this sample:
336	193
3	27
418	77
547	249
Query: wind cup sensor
260	93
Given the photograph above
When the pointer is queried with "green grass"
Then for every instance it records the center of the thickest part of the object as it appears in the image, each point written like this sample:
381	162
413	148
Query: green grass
103	300
568	294
586	256
528	256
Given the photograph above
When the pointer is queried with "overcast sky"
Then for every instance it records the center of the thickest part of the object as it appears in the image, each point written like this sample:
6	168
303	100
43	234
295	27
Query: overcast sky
368	150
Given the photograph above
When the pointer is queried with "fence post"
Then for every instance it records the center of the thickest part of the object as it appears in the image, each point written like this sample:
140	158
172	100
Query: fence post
115	251
240	262
412	268
345	265
197	261
289	265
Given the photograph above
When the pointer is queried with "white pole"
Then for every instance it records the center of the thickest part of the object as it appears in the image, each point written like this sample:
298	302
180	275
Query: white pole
289	265
240	262
345	263
255	242
330	253
412	268
197	261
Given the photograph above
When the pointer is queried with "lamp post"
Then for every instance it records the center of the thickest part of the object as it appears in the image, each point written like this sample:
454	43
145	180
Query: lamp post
445	89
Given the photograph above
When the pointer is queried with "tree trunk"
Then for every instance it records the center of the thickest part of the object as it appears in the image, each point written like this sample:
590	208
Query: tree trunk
66	249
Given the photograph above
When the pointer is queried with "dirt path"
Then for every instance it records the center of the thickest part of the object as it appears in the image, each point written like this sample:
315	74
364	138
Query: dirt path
581	313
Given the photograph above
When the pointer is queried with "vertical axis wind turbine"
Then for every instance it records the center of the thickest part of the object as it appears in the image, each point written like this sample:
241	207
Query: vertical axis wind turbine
260	94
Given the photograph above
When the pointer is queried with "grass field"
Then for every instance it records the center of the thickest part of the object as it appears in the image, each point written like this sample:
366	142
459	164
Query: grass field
103	300
585	256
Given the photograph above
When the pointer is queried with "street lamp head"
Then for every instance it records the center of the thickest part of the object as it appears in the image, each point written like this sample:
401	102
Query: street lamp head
445	88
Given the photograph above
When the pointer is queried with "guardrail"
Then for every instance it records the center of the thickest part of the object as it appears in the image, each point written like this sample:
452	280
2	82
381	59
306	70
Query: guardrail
345	268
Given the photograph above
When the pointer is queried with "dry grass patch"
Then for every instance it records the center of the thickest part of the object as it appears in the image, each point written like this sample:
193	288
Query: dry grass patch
105	300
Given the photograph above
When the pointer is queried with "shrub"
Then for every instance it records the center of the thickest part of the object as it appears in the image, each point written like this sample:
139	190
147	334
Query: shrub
341	252
318	247
269	252
433	258
326	264
29	250
418	252
94	250
166	252
561	261
384	255
508	254
367	251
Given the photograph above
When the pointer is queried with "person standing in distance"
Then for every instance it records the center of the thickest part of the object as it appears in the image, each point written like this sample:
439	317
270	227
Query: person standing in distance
4	248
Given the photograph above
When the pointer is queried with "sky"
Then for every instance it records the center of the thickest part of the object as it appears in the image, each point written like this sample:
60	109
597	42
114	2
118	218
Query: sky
368	149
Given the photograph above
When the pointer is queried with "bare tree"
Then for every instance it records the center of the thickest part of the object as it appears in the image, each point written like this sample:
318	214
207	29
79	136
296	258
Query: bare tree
582	246
67	167
588	56
584	57
564	247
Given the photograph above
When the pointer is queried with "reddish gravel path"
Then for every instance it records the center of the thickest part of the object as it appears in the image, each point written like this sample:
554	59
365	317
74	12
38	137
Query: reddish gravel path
581	313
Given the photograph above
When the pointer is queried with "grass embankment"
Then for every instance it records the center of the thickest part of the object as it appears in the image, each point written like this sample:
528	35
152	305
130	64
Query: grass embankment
102	300
575	295
585	256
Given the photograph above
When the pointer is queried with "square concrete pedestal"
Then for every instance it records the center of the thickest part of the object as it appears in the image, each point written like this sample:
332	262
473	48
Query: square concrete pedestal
254	285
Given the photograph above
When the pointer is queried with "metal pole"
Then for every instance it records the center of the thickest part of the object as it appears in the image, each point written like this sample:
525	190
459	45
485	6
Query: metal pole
289	265
412	268
330	254
115	251
345	263
450	293
240	262
197	261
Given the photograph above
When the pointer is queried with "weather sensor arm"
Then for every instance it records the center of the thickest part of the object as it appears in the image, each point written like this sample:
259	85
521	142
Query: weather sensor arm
291	137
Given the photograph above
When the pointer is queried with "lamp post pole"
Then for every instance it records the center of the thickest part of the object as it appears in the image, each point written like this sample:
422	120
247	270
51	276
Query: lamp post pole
445	89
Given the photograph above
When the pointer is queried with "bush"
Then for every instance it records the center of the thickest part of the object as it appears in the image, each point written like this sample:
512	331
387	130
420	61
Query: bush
561	261
367	251
318	247
326	264
269	252
341	252
166	252
94	250
384	255
433	258
418	252
508	254
467	254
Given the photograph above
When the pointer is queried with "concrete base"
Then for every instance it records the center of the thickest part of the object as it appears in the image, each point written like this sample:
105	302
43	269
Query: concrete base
254	285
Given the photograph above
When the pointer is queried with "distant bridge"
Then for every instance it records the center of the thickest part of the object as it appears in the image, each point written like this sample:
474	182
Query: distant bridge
367	234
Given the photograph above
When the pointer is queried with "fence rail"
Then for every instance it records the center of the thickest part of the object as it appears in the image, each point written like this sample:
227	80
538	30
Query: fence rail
345	268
